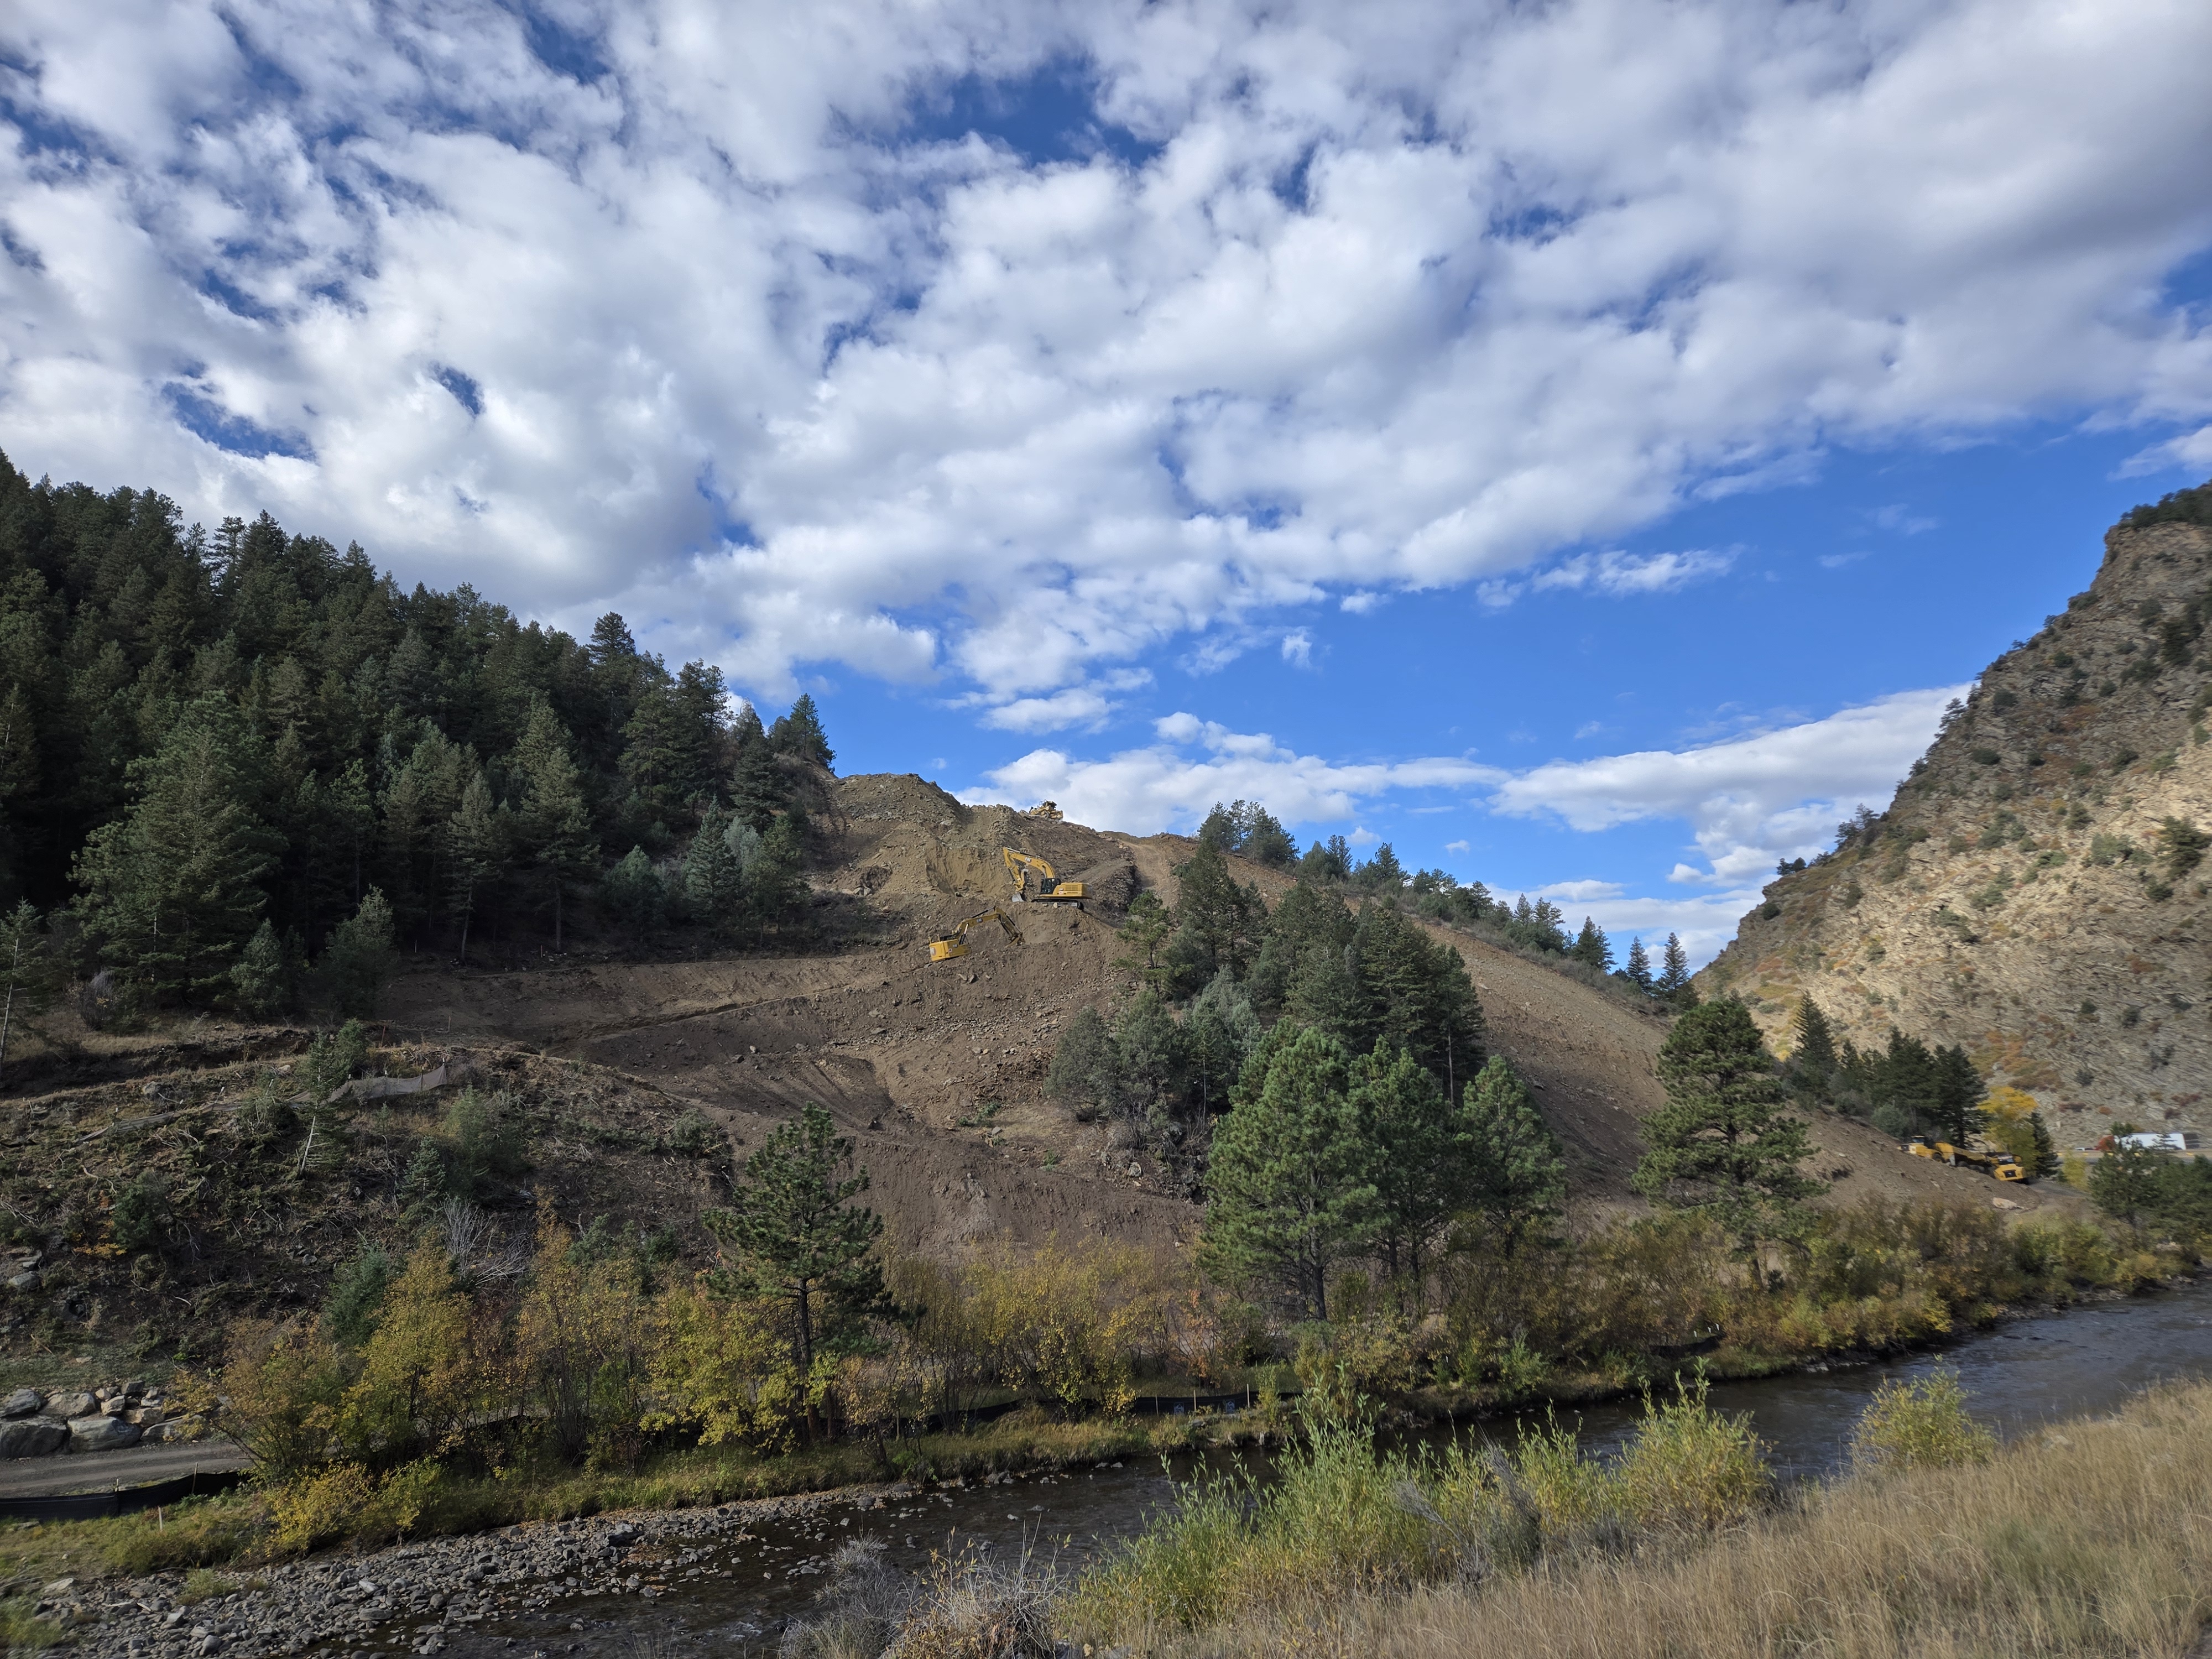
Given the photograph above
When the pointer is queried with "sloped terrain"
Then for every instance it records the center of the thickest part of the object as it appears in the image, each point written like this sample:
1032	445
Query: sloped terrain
2018	897
939	1070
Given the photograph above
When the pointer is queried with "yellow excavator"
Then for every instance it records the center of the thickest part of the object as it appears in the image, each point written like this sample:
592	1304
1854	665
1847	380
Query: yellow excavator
955	943
2001	1165
1055	890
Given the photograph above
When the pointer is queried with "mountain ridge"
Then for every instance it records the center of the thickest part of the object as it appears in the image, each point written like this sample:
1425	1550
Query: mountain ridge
2034	891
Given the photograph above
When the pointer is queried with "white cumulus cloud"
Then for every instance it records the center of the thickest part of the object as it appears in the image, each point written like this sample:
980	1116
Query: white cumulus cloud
1171	783
1748	800
653	305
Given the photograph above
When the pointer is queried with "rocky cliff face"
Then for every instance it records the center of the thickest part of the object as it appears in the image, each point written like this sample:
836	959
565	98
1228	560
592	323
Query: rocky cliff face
2036	889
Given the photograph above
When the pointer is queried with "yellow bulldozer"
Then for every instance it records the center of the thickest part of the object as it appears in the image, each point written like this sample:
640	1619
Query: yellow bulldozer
2001	1165
1054	890
955	943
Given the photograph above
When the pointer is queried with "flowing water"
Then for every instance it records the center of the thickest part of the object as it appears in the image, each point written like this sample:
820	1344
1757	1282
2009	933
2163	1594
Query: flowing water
735	1594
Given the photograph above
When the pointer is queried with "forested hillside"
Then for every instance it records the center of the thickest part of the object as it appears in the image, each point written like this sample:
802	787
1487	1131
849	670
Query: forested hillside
214	749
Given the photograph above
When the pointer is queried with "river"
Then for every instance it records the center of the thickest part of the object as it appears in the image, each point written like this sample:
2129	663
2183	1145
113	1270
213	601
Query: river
734	1596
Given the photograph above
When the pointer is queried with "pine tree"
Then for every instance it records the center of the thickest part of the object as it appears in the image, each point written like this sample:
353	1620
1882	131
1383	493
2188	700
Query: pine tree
173	888
475	841
1959	1092
1640	966
258	976
1813	1050
1145	927
1592	948
359	958
1291	1176
713	876
759	790
1083	1074
1222	1030
28	970
633	891
554	827
792	1237
800	735
1722	1143
1518	1177
1418	995
1311	915
1421	1163
1219	921
776	887
1674	972
1152	1057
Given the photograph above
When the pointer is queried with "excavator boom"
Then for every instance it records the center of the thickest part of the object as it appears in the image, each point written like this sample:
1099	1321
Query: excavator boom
955	943
1053	889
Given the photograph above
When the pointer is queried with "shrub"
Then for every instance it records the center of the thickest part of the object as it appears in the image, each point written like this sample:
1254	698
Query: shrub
693	1135
1920	1424
1690	1467
142	1214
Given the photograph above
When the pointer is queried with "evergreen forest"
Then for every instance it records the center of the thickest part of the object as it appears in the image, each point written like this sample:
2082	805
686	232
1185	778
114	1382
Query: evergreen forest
244	767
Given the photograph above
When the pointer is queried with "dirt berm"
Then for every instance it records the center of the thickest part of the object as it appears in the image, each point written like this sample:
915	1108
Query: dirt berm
939	1070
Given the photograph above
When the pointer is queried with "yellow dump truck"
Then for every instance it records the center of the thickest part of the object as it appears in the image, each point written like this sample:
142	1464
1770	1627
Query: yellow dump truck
2000	1165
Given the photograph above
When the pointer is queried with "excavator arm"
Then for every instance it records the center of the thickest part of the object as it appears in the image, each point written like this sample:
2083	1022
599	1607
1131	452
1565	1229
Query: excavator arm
1053	889
955	943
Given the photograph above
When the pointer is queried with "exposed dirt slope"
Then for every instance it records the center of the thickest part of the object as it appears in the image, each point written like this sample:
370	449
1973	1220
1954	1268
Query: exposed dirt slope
937	1071
912	1057
2014	898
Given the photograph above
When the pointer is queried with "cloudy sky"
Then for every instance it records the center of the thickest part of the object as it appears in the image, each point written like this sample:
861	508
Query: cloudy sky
1583	444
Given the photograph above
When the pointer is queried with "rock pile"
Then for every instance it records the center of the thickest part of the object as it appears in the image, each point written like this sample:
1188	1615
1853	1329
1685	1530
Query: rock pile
38	1423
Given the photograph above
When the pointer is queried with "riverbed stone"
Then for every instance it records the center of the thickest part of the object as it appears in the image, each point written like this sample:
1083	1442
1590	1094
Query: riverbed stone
32	1437
101	1433
24	1402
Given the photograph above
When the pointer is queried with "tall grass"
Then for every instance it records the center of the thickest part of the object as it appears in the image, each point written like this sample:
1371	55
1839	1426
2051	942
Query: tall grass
2090	1540
1344	1520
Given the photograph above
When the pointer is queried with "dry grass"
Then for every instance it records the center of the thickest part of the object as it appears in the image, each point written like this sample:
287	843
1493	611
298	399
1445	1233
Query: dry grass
2090	1540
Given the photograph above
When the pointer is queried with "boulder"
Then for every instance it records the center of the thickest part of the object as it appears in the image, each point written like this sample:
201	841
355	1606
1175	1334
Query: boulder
25	1280
24	1402
101	1433
72	1404
33	1437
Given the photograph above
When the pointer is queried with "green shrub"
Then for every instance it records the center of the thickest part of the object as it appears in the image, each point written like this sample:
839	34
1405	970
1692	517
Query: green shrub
1921	1425
142	1215
484	1143
1690	1467
693	1135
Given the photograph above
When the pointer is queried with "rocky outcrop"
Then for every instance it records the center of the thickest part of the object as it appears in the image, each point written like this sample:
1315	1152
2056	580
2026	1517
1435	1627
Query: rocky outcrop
2036	890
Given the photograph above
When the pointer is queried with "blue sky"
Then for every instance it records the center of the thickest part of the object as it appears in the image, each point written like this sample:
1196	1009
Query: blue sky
1583	445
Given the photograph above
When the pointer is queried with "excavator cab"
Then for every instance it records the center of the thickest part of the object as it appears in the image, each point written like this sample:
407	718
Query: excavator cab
955	943
1053	889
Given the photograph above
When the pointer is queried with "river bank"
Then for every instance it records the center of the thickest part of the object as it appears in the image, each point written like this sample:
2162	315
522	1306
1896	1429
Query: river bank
713	1577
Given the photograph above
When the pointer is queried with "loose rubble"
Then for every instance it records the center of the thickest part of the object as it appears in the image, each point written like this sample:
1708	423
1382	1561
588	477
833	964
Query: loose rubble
420	1594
